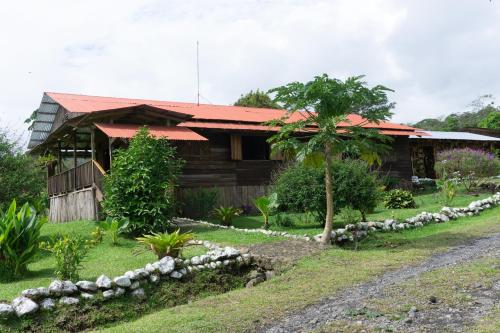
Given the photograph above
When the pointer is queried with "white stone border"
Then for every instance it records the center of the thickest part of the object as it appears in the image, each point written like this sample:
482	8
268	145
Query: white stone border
362	229
69	293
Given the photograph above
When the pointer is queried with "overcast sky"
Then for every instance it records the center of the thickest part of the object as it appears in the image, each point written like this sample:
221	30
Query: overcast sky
437	55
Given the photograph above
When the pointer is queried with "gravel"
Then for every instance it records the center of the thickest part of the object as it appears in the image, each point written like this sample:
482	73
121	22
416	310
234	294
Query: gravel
334	308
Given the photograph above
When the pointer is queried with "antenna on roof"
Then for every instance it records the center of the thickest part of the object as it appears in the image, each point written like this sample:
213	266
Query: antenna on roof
198	69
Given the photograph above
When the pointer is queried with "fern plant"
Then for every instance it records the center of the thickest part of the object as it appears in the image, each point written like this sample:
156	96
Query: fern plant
225	215
19	237
166	244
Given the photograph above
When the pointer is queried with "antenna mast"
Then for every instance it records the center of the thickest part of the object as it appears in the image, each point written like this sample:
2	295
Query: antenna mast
198	69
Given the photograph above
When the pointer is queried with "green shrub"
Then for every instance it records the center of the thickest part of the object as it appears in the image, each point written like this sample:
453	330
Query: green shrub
22	177
166	244
225	215
198	203
141	184
266	205
283	220
398	199
467	165
19	237
301	188
113	227
69	252
448	188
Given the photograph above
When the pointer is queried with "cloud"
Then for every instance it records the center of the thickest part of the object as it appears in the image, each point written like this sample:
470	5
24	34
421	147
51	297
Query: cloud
438	56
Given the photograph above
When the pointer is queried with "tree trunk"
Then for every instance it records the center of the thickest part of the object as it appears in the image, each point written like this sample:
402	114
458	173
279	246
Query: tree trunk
327	232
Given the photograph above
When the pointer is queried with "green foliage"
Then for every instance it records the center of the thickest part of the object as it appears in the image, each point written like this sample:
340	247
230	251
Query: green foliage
398	199
467	165
19	237
165	244
327	104
284	220
114	226
69	252
225	215
265	205
257	99
97	235
301	188
198	203
481	109
22	177
491	121
141	184
448	188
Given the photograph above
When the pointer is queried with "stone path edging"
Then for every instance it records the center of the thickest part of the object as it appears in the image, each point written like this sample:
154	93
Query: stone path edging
361	230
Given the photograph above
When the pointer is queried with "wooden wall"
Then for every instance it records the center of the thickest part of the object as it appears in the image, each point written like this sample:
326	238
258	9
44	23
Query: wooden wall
397	163
79	205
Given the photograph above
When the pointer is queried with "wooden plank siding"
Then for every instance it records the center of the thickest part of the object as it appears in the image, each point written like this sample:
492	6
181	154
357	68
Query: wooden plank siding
397	162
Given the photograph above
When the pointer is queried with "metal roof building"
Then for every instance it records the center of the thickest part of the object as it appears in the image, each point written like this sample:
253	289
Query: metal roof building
440	135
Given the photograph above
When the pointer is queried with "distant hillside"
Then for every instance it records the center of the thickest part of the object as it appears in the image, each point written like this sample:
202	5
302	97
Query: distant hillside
483	116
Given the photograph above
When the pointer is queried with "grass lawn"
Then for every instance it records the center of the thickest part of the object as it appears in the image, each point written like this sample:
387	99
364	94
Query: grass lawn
313	278
111	260
306	223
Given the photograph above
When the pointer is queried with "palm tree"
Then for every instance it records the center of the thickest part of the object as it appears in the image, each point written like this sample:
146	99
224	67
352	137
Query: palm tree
319	125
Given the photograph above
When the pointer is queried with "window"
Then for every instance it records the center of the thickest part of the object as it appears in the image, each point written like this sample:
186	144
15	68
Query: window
249	148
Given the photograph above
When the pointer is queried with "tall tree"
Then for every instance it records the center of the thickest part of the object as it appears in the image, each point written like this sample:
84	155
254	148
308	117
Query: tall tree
324	131
257	99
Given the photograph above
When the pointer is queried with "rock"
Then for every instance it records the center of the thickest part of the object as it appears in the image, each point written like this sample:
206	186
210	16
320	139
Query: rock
231	252
195	261
6	310
119	292
413	312
166	265
86	295
138	293
150	268
176	275
47	304
104	282
269	275
24	306
108	294
36	293
254	282
154	278
141	273
131	275
135	285
69	300
58	288
122	281
87	286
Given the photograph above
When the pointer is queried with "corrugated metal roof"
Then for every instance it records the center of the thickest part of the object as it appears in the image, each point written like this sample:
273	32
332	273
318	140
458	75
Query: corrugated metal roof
171	133
440	135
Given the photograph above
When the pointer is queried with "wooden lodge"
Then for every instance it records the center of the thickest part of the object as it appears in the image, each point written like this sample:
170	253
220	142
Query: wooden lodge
224	147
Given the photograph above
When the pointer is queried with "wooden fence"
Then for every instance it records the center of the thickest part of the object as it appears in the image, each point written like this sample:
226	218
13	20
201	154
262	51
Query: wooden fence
83	176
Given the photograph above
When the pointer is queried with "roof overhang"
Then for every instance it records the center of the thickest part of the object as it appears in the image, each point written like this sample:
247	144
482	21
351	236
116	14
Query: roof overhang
128	131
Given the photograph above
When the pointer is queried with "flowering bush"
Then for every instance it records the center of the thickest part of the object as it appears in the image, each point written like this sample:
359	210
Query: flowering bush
467	165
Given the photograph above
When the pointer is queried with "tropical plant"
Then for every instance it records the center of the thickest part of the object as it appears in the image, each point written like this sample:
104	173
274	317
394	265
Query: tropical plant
448	188
22	176
263	204
398	199
352	216
97	234
225	215
141	184
327	105
69	252
166	244
257	99
19	237
198	202
114	226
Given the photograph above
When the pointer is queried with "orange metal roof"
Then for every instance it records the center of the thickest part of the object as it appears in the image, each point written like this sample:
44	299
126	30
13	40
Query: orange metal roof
171	133
233	126
204	112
